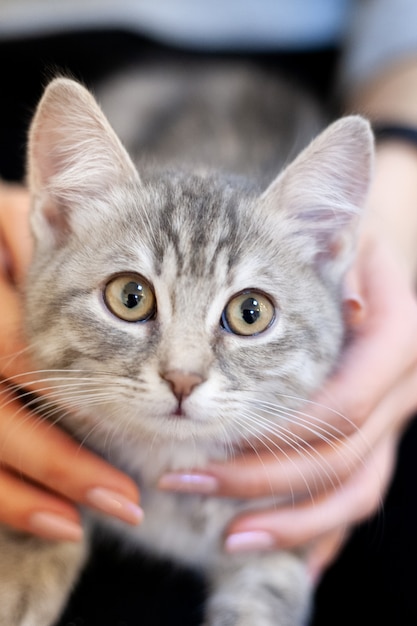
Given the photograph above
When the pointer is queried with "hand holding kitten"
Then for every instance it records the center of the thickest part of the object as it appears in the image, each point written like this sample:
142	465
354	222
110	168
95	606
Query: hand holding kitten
43	472
343	482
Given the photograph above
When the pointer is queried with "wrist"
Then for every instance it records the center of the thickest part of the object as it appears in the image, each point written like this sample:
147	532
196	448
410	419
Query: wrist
392	203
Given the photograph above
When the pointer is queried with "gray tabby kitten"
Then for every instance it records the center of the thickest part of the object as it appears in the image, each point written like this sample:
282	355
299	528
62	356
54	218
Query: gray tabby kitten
181	313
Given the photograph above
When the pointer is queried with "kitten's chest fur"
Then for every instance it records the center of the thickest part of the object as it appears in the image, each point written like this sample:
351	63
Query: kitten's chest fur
193	535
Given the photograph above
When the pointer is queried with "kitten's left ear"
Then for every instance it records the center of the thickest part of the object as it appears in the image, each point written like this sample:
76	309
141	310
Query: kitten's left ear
74	156
323	192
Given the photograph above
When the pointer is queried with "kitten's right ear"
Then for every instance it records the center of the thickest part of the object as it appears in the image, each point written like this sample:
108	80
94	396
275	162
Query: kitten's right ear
73	156
324	191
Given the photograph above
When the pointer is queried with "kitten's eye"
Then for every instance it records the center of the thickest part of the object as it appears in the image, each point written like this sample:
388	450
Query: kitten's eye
130	297
248	313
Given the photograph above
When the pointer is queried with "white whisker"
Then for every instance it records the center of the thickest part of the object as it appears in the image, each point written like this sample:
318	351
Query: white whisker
260	436
309	425
298	445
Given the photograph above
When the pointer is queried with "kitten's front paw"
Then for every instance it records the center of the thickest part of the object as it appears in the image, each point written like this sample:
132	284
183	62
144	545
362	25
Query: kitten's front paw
36	577
266	590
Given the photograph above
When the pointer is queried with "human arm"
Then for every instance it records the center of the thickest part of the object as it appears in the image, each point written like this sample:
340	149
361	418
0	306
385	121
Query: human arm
44	474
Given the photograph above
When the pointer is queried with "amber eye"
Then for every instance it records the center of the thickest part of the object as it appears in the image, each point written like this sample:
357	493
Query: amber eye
130	297
248	313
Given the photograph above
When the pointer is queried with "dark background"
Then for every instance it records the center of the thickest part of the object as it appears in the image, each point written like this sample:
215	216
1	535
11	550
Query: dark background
374	581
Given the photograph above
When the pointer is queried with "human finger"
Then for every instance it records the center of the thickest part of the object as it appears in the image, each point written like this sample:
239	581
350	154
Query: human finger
15	238
290	526
28	508
50	458
379	355
13	349
324	551
15	254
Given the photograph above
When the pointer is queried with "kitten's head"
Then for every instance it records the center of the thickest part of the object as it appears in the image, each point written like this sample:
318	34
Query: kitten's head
183	307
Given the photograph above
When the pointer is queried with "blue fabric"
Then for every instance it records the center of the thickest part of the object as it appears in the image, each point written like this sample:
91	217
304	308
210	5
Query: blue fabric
253	24
214	24
372	33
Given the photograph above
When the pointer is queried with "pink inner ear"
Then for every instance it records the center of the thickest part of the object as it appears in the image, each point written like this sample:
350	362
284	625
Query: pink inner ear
354	311
58	220
323	193
45	163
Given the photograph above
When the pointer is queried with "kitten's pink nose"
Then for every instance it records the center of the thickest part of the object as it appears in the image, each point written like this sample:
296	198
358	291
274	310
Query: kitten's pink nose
182	383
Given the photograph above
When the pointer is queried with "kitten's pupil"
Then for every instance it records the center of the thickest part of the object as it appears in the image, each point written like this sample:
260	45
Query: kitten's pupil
132	295
250	310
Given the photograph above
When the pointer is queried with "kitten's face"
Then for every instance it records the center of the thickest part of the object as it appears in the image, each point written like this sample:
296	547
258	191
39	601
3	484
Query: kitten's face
219	298
180	308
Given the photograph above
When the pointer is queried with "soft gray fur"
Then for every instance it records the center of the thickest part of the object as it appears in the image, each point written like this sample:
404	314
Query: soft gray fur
182	387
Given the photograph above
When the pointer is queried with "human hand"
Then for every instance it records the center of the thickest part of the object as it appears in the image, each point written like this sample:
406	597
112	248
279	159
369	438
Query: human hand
44	474
339	475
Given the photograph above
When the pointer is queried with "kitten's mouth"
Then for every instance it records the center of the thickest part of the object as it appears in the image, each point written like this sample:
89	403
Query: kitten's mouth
179	411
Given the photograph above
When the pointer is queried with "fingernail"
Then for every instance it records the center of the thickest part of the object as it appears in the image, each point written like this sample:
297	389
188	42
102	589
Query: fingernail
189	483
250	541
54	526
114	504
354	308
